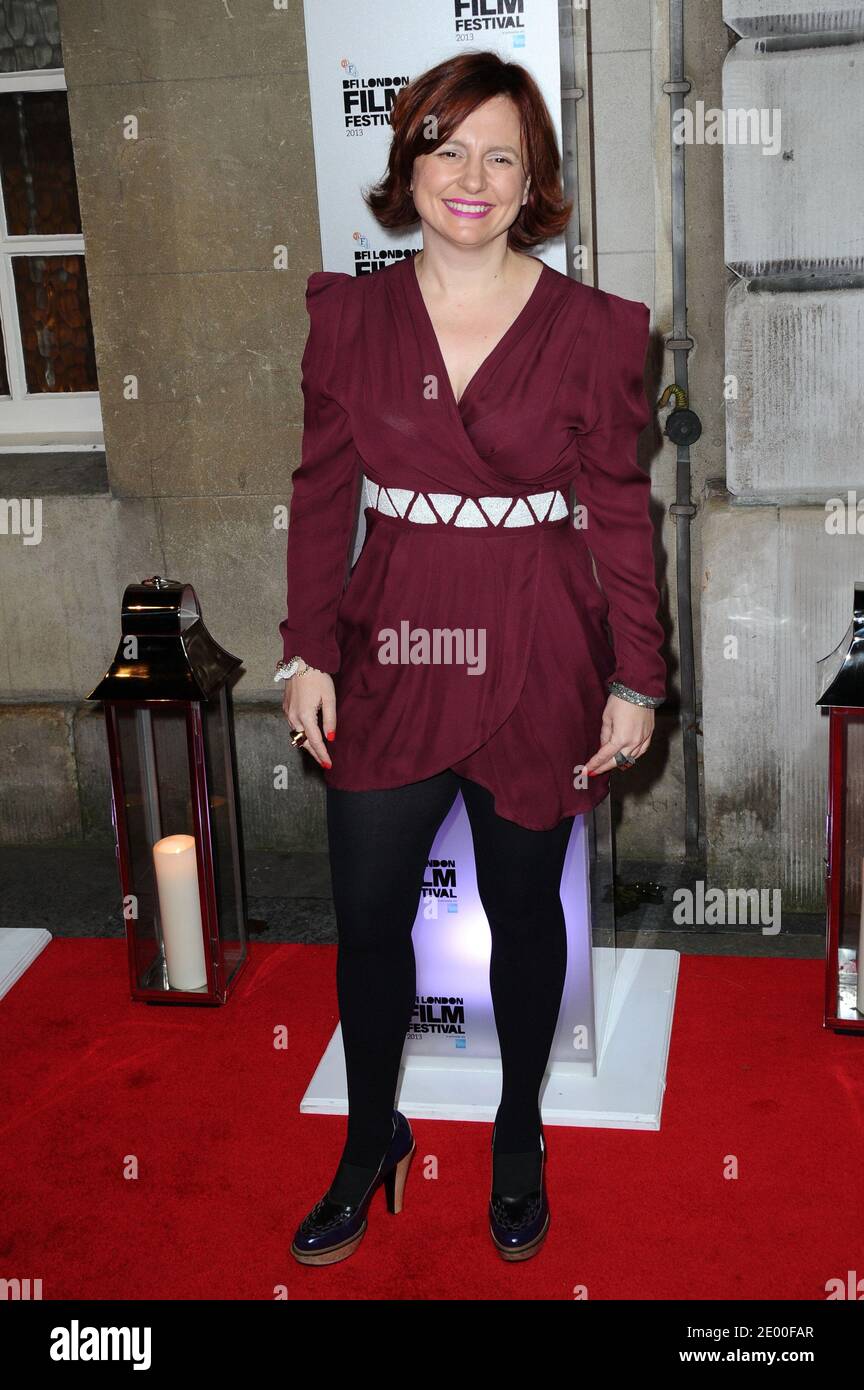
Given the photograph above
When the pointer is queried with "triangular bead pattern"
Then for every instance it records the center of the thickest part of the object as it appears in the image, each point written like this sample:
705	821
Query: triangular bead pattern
400	497
559	508
384	503
470	515
445	503
520	516
452	509
494	507
540	504
421	511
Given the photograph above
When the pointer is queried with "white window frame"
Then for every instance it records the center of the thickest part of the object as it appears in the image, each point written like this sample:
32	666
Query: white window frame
42	421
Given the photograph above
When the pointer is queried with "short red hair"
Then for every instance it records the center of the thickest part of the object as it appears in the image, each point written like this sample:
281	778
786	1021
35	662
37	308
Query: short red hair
451	91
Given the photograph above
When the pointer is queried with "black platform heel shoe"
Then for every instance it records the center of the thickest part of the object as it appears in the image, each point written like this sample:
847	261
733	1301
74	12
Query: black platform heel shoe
518	1224
332	1230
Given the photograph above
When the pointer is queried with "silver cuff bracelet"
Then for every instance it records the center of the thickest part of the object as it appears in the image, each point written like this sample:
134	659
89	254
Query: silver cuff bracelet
625	693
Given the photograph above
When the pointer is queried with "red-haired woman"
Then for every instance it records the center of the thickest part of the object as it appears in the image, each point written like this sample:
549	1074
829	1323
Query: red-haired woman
463	391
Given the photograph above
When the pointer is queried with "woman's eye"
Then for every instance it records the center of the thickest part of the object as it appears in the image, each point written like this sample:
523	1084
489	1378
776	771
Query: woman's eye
499	158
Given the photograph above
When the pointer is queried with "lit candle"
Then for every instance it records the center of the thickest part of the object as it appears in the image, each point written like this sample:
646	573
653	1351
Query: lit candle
180	911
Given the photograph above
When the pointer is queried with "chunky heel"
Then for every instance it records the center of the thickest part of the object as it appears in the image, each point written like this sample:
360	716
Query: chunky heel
394	1182
332	1230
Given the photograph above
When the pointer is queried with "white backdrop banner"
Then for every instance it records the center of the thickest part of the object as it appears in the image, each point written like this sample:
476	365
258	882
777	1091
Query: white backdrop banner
360	54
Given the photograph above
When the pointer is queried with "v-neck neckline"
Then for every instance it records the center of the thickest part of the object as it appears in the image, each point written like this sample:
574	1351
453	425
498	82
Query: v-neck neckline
495	352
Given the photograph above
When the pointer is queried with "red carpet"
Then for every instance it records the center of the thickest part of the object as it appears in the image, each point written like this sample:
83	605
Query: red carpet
227	1165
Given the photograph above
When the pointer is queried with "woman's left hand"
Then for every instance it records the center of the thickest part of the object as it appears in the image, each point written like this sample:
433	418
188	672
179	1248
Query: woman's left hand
626	728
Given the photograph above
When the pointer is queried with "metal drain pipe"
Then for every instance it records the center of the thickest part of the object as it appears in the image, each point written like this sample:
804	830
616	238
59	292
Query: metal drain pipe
682	425
682	509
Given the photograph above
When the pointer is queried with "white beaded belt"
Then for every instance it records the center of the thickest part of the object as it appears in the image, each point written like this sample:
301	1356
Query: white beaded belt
453	509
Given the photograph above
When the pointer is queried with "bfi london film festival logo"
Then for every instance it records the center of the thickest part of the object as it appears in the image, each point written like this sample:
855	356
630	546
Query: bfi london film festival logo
367	101
369	258
492	17
439	884
440	1016
433	1014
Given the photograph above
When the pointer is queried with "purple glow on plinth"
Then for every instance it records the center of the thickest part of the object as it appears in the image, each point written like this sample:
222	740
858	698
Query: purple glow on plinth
453	1015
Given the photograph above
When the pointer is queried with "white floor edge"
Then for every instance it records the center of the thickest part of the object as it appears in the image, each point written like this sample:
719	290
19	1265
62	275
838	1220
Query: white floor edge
19	947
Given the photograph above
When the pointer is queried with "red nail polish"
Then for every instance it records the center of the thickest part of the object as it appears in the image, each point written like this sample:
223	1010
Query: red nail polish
331	734
328	764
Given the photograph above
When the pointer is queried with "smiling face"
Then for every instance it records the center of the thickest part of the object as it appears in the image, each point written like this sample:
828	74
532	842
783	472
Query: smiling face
470	189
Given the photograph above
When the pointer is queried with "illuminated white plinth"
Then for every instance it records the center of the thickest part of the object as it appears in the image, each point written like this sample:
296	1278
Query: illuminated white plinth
617	1009
626	1092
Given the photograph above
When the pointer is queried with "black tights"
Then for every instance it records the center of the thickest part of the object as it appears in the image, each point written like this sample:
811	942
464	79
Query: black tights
379	844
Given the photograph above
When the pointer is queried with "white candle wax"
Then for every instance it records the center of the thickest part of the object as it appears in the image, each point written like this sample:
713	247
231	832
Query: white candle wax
180	911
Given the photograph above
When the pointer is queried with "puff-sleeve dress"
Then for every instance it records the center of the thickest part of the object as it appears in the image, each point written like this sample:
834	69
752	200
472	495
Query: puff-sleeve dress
471	632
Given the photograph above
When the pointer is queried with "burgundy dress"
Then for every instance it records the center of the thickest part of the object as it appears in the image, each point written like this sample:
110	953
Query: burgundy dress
471	632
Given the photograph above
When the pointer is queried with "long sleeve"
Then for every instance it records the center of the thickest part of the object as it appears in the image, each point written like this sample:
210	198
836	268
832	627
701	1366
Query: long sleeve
325	488
615	493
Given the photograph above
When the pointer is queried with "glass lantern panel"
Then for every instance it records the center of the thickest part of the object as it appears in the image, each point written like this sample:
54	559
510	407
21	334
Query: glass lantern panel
163	902
224	831
850	1004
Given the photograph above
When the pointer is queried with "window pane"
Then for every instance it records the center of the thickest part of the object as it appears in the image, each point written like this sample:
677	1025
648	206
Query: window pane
29	35
54	314
36	164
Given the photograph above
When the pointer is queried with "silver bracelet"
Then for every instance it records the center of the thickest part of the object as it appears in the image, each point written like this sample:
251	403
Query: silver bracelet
625	693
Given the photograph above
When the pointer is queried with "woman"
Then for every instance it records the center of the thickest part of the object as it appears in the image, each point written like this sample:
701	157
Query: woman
464	390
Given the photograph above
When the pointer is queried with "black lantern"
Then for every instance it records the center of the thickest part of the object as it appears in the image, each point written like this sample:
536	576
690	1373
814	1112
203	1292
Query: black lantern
173	789
841	684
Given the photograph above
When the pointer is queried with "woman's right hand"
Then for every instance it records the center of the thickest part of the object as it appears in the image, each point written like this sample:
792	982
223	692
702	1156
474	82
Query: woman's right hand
305	694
